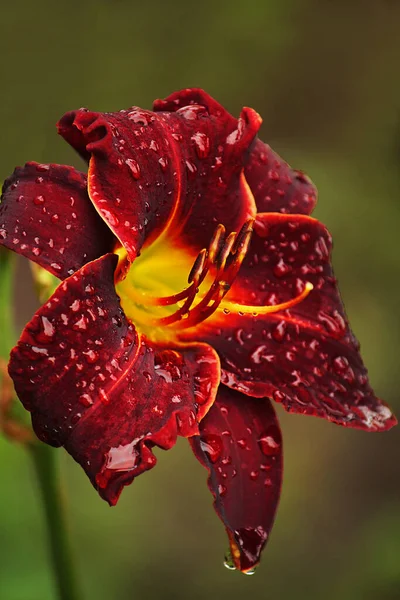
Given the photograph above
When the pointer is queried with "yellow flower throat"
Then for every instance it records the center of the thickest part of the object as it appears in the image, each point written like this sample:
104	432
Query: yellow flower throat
165	291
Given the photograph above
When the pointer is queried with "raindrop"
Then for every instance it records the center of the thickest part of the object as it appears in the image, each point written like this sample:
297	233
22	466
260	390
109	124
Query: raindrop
191	113
91	356
273	175
222	489
75	306
138	117
257	355
322	249
80	324
86	400
48	328
41	168
212	446
279	332
270	442
76	418
202	144
154	146
122	458
334	324
228	561
147	375
281	269
163	161
134	168
191	167
340	364
110	218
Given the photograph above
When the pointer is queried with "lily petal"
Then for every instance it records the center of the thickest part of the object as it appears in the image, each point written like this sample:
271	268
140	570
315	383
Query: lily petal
276	186
46	215
214	148
240	444
175	169
97	388
305	356
129	184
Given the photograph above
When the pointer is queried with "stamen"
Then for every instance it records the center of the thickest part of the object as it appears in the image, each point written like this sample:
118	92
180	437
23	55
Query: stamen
245	309
216	242
225	254
198	266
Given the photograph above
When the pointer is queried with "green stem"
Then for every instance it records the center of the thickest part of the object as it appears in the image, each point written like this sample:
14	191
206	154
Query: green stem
44	457
7	338
47	472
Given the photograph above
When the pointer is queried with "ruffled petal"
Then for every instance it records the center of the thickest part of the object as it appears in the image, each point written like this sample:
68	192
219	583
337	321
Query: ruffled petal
176	169
46	215
240	444
97	388
275	186
306	356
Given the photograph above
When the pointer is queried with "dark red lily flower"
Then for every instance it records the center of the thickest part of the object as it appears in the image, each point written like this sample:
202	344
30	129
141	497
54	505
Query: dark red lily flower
195	288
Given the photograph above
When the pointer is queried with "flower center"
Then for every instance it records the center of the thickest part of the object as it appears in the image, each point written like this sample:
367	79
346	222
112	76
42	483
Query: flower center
165	291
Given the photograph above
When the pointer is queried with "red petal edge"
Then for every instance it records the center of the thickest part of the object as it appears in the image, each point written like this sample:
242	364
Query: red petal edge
240	444
97	388
46	215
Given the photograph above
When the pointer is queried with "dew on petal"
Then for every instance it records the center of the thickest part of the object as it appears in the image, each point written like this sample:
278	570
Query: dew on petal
212	446
134	168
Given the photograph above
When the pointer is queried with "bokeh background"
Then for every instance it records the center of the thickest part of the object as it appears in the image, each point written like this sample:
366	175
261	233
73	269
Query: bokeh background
324	74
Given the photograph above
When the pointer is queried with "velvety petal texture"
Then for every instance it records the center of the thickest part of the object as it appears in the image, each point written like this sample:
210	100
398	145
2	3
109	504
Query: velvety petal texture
275	186
306	356
240	444
175	169
98	389
46	215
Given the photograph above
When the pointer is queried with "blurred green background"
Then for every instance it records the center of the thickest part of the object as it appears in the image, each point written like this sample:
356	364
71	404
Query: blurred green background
324	74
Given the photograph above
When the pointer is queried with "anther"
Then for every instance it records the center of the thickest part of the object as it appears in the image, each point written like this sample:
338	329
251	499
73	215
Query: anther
216	242
243	235
223	257
198	266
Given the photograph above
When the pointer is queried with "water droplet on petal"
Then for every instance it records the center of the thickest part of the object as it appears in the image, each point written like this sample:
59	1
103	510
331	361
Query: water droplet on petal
228	561
134	168
48	328
163	162
279	331
212	446
281	269
138	117
109	217
191	167
270	442
202	144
